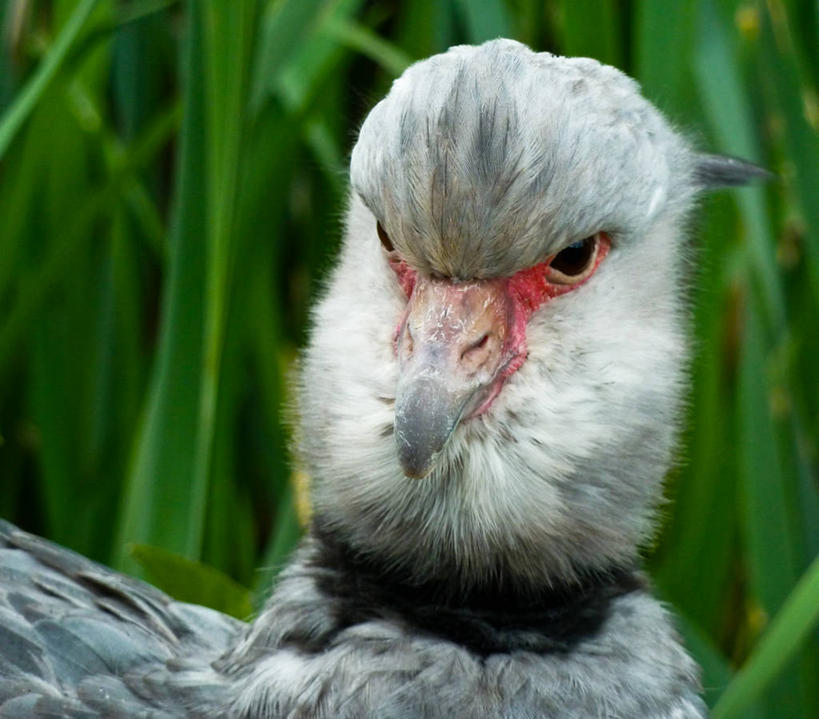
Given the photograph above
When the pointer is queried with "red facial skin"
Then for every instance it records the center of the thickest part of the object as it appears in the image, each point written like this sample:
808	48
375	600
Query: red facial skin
522	294
531	288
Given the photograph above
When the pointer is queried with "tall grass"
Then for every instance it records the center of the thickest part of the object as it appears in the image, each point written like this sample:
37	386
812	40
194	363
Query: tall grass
171	183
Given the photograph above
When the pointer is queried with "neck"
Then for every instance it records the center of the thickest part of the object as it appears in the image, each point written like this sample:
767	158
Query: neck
486	618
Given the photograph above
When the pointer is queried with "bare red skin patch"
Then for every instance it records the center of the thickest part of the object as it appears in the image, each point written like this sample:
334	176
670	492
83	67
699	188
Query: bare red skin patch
529	289
406	275
526	291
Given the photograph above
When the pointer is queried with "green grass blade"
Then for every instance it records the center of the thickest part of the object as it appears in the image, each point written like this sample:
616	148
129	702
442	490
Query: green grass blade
792	94
591	28
228	43
769	492
19	196
35	288
663	31
298	81
769	482
161	504
424	27
716	670
790	628
283	29
769	536
189	581
484	20
361	39
729	112
27	99
75	234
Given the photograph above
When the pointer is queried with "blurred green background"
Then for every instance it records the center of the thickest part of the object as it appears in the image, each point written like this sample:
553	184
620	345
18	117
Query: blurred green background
172	182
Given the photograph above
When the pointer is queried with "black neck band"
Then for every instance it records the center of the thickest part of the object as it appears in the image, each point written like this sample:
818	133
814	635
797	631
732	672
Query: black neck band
488	619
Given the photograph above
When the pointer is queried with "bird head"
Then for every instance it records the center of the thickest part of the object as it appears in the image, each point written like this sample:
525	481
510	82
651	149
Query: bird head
495	373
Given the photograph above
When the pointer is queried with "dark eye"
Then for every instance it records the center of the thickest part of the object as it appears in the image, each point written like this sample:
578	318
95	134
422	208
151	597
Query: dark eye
575	263
386	242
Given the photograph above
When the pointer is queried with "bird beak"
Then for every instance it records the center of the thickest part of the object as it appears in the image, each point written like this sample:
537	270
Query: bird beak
453	347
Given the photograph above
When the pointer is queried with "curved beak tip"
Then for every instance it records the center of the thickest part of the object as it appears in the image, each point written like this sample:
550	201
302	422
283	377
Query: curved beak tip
425	417
414	465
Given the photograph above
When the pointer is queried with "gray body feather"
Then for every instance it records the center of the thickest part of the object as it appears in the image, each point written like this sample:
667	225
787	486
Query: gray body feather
78	640
504	584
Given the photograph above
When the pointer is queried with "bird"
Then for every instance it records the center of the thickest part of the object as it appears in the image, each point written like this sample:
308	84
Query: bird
488	403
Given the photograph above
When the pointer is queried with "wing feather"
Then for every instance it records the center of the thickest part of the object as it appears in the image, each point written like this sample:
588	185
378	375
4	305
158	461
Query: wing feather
80	640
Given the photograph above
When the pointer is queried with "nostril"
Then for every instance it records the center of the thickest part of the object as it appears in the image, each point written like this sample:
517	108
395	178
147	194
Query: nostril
474	349
407	344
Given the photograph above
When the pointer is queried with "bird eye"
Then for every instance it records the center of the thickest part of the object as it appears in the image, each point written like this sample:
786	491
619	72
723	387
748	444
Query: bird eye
575	263
386	242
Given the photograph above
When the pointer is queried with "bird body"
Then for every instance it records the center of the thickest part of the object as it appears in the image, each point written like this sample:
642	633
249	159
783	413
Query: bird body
336	640
352	644
488	405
